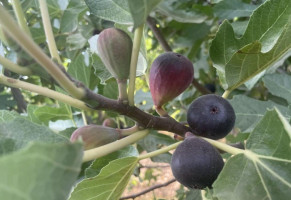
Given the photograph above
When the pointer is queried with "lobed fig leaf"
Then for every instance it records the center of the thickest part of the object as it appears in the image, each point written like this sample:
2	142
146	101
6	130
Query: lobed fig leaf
95	135
170	74
196	163
114	47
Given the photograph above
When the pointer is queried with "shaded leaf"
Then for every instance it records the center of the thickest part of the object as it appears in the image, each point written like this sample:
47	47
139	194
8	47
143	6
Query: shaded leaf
264	44
112	10
188	14
250	111
279	85
80	70
40	171
109	183
6	115
263	170
140	9
229	9
19	132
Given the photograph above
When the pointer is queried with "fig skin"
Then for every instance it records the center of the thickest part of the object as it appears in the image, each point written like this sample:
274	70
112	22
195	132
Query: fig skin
171	73
196	163
211	116
114	47
109	122
95	135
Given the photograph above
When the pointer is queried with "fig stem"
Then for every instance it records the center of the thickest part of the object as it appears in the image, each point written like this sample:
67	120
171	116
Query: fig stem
160	151
224	147
226	93
26	42
161	111
128	131
14	67
122	90
15	83
98	152
48	31
138	33
20	16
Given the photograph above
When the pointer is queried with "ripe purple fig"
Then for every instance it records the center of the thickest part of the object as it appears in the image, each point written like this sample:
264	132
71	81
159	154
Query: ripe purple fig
170	74
95	135
114	48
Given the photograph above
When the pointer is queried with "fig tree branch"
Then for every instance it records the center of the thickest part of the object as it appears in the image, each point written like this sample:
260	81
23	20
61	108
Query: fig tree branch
48	31
44	91
133	196
144	120
151	22
37	53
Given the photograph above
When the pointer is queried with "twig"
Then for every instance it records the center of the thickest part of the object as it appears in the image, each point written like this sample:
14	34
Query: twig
20	16
151	22
133	196
158	34
199	87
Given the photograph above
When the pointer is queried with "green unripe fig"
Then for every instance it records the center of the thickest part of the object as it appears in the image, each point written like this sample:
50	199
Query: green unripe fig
171	73
211	116
114	48
95	135
196	163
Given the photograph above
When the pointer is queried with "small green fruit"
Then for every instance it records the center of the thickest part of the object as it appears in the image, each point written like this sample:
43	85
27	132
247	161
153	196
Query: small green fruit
196	163
95	136
114	48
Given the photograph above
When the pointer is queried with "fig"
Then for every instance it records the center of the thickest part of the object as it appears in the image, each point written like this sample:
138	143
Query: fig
196	163
114	47
95	135
109	122
211	116
170	74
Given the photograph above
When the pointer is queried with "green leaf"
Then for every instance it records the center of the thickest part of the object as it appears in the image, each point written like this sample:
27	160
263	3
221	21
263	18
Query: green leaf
76	41
250	111
19	132
31	116
80	70
154	141
112	10
140	10
47	113
6	115
279	85
69	20
190	14
40	171
264	44
229	9
110	182
263	170
99	163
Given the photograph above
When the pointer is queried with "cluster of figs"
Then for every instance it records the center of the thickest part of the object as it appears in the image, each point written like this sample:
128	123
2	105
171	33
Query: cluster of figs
195	163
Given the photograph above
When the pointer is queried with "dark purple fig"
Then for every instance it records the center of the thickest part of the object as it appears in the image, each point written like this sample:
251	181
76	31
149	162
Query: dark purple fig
114	48
196	163
109	122
170	74
95	135
211	116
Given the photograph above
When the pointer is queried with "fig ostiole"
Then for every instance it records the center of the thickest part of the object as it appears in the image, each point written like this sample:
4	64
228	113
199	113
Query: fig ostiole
170	74
211	116
196	164
109	122
95	135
